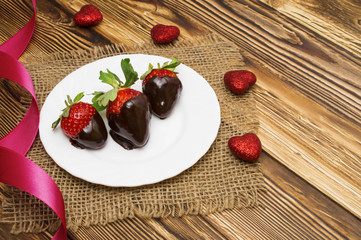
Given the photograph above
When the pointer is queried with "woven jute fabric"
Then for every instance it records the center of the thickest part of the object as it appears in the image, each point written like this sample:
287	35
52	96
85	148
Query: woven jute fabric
218	181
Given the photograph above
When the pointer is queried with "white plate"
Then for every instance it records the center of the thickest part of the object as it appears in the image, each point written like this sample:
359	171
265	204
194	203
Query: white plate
175	143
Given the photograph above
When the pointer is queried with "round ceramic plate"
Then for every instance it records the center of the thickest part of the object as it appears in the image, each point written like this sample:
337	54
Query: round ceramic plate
175	143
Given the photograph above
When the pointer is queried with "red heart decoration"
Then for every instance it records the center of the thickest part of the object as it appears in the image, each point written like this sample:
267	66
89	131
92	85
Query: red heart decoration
247	147
238	81
164	33
88	15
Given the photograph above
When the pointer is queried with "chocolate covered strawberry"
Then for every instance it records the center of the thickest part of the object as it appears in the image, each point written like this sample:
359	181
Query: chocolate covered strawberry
128	110
163	87
82	123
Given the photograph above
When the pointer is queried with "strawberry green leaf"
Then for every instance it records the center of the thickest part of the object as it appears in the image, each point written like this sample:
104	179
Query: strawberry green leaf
103	99
98	107
78	97
69	100
96	95
66	112
116	77
167	65
150	69
130	75
110	78
172	65
95	101
55	124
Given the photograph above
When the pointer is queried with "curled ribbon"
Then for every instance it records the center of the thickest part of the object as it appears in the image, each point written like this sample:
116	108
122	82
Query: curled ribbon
15	169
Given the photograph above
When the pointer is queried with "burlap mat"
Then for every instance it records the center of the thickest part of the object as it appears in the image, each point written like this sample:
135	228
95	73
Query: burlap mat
218	181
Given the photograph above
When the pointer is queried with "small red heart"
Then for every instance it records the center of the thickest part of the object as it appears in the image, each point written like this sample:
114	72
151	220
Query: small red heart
238	81
247	147
164	33
88	15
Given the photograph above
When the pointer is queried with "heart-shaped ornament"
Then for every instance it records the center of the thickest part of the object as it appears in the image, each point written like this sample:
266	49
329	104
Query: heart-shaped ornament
88	15
164	33
247	147
238	81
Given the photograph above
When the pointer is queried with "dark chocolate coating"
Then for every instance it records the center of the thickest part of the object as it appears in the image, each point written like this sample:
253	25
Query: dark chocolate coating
130	127
92	136
163	94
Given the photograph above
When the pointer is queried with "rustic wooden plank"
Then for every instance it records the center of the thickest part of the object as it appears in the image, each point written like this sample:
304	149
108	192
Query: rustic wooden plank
333	20
192	227
313	150
6	235
126	229
14	102
13	17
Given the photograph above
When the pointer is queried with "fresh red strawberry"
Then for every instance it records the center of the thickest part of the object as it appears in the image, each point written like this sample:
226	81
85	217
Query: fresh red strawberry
162	87
164	33
238	81
82	123
128	110
79	117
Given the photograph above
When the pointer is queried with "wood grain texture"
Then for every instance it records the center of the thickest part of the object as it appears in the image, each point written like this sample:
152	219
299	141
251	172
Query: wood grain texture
306	55
6	235
335	21
14	103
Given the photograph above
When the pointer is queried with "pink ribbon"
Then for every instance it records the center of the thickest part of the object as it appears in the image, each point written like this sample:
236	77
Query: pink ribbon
15	169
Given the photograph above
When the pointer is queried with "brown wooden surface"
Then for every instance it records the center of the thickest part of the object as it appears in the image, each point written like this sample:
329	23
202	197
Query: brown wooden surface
306	55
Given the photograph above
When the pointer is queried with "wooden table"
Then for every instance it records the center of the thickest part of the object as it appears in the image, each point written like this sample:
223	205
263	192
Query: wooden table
306	55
